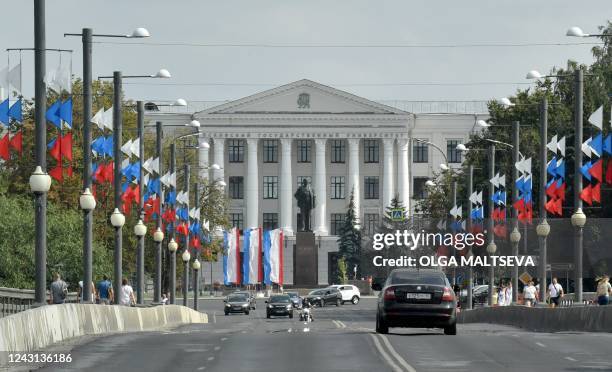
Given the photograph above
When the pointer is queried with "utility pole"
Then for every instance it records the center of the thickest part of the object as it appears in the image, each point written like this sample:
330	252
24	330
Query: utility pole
543	228
515	236
491	247
470	271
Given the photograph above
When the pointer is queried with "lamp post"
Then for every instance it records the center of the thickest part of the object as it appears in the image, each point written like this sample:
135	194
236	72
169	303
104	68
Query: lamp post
578	218
470	270
140	230
515	235
543	228
172	247
186	257
196	268
87	202
491	247
117	219
158	237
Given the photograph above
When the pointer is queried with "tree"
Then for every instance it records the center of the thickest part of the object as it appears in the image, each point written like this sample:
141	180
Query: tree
349	239
342	271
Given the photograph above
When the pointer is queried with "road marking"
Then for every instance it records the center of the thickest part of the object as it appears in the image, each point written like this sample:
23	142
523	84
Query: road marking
341	324
384	354
336	323
396	355
211	358
217	348
214	317
540	344
202	368
571	359
223	338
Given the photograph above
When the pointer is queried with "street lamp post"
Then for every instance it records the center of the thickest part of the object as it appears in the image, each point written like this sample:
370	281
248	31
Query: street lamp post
515	235
141	240
186	244
196	268
543	228
158	240
186	257
117	135
140	230
172	234
470	270
578	218
491	247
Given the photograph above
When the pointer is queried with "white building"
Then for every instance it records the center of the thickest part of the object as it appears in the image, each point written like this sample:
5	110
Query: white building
267	143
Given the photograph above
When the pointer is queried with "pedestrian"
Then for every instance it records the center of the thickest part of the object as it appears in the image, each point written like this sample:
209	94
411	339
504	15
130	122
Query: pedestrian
604	290
164	299
501	295
105	291
529	294
509	294
126	297
80	292
58	290
555	293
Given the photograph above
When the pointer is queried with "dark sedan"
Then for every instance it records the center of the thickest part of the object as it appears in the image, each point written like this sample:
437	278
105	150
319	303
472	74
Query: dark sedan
236	303
326	296
279	305
252	300
420	298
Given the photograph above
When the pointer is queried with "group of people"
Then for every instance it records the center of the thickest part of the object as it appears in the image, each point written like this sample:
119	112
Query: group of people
102	293
504	294
531	293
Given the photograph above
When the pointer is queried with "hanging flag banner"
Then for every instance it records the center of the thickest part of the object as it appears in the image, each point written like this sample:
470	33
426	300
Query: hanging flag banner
252	256
231	258
273	257
596	118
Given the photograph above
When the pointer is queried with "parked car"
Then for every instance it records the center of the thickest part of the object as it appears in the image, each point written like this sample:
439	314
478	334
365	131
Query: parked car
475	290
236	303
350	293
252	301
295	299
420	298
325	296
279	305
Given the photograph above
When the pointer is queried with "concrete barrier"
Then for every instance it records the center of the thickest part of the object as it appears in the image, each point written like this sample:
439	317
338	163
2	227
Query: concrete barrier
38	328
542	319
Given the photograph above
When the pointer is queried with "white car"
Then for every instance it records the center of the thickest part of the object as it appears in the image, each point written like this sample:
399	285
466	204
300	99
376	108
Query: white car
349	292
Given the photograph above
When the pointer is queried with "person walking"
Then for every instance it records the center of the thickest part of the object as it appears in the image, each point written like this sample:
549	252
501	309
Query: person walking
501	295
126	297
58	290
509	294
604	290
80	292
555	293
529	294
105	291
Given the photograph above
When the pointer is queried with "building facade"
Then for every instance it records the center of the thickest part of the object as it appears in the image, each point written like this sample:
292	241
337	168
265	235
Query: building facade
268	143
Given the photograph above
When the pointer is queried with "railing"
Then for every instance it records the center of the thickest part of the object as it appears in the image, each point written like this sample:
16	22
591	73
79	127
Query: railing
13	300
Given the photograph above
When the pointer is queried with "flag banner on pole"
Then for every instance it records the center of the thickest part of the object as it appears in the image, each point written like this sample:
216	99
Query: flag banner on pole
273	257
252	256
231	258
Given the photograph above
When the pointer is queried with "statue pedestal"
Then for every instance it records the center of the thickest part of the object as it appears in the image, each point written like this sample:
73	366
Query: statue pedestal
305	260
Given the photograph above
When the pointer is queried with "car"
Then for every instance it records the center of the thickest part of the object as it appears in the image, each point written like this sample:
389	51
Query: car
295	299
252	301
279	304
325	296
476	290
420	298
236	303
350	293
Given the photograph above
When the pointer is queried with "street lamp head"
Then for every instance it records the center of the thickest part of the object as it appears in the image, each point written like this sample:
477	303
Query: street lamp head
444	167
117	218
461	147
193	124
576	32
40	182
163	73
515	236
140	32
578	218
430	183
483	124
87	200
506	102
140	229
215	166
204	144
186	256
491	248
222	183
158	235
172	245
543	229
533	74
180	102
196	264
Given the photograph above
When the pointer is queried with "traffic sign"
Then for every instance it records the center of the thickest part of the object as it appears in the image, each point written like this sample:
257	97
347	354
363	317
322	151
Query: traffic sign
397	214
525	278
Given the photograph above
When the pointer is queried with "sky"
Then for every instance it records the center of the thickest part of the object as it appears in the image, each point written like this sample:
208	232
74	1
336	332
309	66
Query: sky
374	72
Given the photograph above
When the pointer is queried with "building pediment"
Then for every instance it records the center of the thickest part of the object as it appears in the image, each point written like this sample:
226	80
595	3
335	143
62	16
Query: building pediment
303	97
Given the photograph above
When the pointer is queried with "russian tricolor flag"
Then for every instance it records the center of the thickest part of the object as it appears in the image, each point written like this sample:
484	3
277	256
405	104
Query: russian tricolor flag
273	257
231	258
252	256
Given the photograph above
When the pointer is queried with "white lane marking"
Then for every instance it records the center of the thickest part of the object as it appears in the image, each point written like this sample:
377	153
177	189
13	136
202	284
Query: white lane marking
384	354
217	348
306	329
211	358
540	344
336	323
571	359
396	355
214	317
342	325
202	368
223	338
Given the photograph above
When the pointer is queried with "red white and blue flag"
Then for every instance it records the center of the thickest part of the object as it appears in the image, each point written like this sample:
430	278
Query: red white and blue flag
252	256
231	258
273	257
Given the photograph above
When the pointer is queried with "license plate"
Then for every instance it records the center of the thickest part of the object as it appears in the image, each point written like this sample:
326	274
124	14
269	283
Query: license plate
418	296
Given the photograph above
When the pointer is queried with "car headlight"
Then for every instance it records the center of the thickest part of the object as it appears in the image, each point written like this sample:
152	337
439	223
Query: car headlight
289	307
245	305
269	306
318	298
228	305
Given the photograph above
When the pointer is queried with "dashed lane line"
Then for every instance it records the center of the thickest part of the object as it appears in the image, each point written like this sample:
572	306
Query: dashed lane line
540	344
384	354
398	357
571	359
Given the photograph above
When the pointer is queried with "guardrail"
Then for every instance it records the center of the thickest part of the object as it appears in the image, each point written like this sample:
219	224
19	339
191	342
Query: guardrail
14	300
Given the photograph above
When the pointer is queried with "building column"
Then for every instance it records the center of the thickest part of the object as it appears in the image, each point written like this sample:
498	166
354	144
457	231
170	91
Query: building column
387	172
320	188
219	159
203	158
286	197
252	185
353	174
403	172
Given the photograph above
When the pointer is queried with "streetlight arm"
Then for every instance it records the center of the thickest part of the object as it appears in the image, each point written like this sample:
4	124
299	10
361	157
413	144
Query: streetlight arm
434	146
502	143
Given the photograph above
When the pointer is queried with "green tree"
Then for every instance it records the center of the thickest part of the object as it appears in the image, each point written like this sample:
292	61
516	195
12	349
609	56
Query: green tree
349	239
342	271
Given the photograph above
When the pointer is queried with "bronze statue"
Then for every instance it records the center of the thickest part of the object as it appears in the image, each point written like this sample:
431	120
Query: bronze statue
306	202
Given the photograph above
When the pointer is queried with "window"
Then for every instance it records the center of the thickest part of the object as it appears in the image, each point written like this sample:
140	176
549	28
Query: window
235	150
337	221
370	151
370	223
270	187
338	148
304	148
454	155
419	189
301	179
270	151
337	187
270	221
236	187
236	220
370	189
420	152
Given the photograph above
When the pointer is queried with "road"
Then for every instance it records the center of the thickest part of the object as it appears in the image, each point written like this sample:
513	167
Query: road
340	339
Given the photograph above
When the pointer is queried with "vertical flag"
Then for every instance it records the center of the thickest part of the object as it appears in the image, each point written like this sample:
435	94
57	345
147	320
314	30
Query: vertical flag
273	257
231	259
252	256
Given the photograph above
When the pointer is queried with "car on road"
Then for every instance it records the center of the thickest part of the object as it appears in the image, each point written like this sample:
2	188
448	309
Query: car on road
420	298
236	303
252	301
325	296
349	292
476	291
295	299
279	305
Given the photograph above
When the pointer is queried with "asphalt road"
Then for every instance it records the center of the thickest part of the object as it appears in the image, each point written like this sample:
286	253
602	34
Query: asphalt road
340	339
